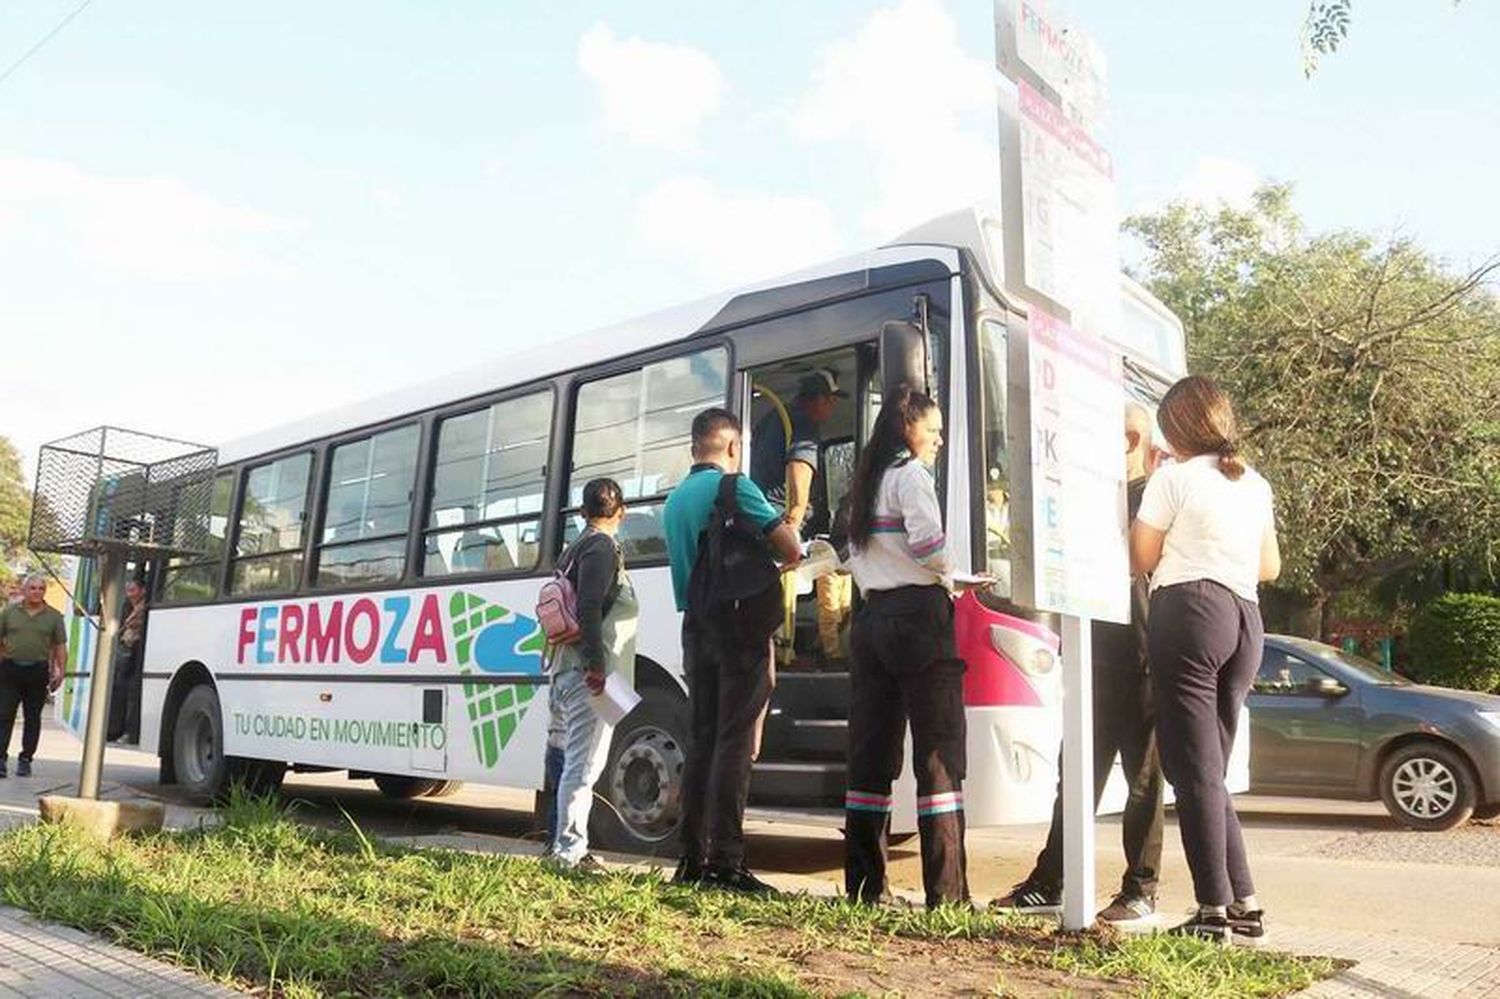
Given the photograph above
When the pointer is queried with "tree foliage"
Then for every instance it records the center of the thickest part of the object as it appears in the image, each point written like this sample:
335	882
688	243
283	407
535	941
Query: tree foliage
15	509
1366	376
1455	642
1324	30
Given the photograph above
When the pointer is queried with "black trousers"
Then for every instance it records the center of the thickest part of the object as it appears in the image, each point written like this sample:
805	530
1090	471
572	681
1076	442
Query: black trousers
905	669
1205	644
125	697
23	684
728	688
1124	724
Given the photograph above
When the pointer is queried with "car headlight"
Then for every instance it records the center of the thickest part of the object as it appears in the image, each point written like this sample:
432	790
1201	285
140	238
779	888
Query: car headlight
1493	717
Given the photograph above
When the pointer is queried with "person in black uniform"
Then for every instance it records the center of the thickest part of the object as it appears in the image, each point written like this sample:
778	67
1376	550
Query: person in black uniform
1124	723
905	665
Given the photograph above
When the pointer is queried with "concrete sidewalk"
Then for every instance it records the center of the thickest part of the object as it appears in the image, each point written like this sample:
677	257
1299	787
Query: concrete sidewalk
43	960
1395	966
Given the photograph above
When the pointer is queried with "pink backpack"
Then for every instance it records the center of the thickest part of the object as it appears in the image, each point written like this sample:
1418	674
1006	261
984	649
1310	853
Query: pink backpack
557	609
557	604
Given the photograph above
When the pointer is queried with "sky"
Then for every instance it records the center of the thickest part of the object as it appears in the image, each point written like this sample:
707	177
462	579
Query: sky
216	218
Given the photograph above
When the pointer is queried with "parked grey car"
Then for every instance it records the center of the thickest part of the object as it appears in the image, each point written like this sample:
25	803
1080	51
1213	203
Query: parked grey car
1328	724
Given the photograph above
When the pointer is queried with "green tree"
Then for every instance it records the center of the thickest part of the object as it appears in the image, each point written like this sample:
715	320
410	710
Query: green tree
15	509
1367	379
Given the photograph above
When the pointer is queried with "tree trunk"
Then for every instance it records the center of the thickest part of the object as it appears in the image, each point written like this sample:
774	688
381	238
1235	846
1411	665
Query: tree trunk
1320	610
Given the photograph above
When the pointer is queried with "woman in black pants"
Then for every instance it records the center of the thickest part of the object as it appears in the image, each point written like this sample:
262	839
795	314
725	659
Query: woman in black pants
904	664
1206	532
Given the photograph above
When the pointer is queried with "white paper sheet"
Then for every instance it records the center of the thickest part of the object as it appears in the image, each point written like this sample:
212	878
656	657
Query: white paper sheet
616	701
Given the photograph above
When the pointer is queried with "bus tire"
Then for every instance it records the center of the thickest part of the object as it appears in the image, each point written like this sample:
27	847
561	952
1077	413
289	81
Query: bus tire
402	787
445	789
203	772
637	801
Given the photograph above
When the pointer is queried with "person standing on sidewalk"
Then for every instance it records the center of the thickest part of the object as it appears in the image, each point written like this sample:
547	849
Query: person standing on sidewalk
34	649
1124	724
905	664
728	675
1206	532
607	617
125	700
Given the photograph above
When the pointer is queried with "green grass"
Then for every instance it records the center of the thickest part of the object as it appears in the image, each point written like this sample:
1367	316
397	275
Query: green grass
263	901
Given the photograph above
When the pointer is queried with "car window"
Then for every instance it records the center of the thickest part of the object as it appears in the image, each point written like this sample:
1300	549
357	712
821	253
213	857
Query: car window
1283	673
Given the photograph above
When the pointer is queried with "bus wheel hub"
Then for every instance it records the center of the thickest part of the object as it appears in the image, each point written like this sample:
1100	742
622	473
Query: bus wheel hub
645	781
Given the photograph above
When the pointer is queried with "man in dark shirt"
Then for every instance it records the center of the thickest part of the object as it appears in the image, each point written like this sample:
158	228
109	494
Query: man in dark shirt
779	458
1124	723
125	699
783	461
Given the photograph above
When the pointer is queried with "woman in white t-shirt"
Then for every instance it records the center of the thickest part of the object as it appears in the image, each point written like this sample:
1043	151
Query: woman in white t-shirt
1206	533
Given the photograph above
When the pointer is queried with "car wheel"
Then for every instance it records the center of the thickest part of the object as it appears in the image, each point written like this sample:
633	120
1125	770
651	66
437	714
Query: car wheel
1428	786
445	788
638	798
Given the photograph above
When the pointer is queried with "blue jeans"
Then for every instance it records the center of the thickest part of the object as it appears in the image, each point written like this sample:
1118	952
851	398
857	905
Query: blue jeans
585	751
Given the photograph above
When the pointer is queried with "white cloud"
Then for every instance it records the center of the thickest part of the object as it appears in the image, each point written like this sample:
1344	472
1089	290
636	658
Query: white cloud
1219	180
733	238
654	93
917	103
155	228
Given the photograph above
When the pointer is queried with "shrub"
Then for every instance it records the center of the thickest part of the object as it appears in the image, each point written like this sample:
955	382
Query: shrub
1455	642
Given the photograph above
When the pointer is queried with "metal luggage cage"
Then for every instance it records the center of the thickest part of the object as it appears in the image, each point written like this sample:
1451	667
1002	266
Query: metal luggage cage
122	491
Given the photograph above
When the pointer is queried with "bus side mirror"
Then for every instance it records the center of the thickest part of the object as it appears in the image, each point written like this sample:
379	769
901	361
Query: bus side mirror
903	358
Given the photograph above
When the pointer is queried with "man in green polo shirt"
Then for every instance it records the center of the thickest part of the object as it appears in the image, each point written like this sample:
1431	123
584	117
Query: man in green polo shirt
33	651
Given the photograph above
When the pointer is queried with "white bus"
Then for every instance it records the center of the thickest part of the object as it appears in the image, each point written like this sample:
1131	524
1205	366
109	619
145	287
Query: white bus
367	605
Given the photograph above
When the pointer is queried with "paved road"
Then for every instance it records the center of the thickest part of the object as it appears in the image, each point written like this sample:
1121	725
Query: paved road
1330	873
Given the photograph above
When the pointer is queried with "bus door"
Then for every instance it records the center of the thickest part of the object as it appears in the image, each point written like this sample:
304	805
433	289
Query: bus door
806	418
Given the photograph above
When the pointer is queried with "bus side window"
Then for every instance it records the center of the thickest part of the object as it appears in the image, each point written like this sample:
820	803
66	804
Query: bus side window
488	487
268	546
367	509
636	428
197	577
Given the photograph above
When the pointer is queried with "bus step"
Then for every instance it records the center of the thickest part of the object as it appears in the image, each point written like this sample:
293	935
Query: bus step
788	783
818	739
809	694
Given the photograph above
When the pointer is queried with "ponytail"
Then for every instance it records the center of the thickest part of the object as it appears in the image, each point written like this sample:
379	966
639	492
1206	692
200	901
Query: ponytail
1231	465
1197	418
903	408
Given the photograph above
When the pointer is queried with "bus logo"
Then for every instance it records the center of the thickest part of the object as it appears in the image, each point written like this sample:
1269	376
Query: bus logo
489	638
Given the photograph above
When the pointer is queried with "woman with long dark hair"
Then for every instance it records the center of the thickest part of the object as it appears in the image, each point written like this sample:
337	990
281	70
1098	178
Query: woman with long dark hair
607	617
1206	532
905	667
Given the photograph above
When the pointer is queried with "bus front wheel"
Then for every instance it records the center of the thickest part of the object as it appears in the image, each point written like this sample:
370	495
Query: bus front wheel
204	773
638	798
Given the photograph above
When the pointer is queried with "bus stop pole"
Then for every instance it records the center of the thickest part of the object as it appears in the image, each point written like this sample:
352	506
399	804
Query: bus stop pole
1078	774
111	581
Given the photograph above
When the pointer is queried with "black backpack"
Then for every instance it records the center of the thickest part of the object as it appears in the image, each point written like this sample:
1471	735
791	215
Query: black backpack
734	591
